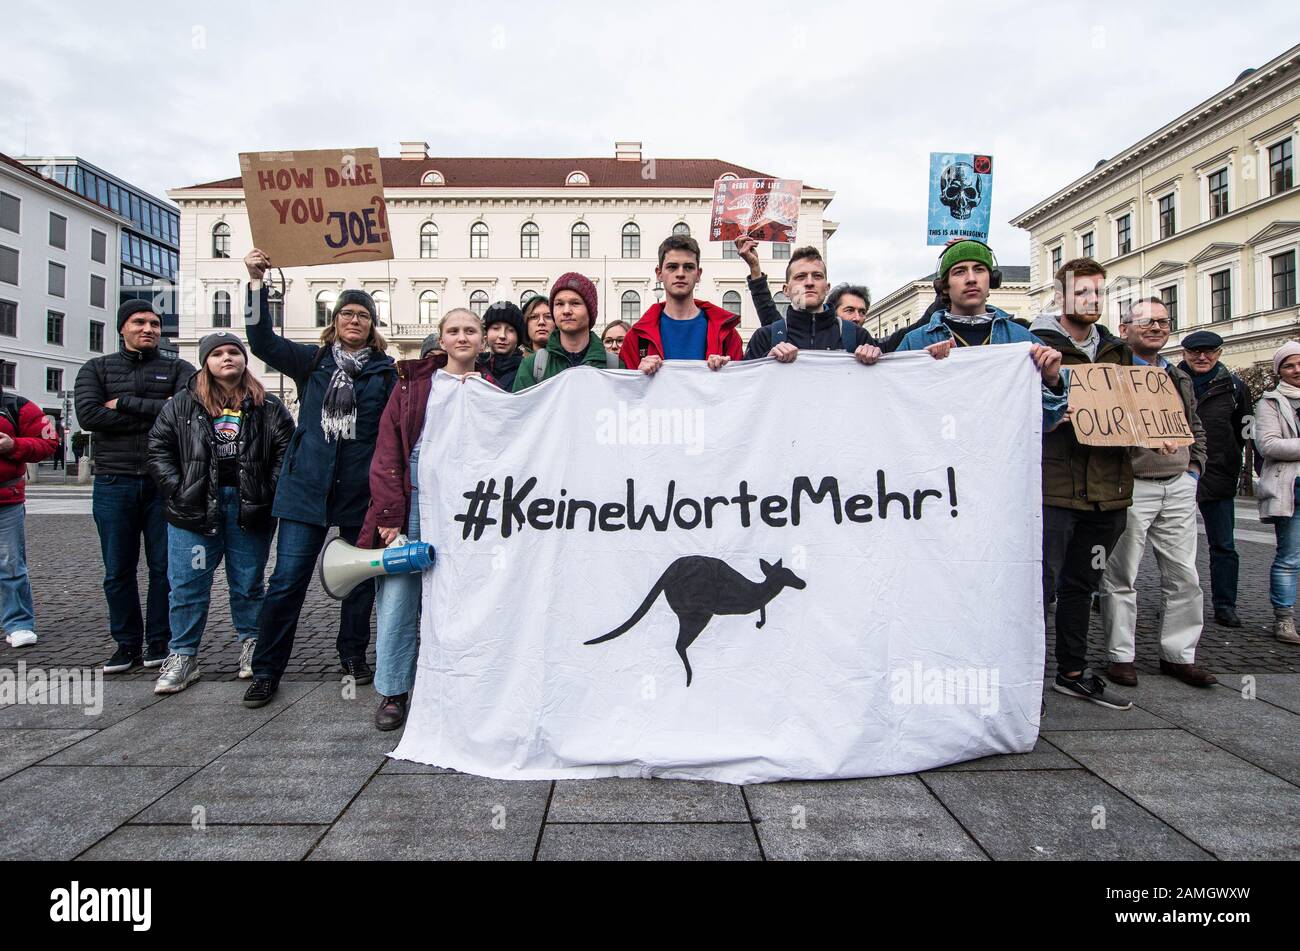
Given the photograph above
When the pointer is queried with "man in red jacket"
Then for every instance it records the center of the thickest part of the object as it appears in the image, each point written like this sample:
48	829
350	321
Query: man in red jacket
681	328
25	436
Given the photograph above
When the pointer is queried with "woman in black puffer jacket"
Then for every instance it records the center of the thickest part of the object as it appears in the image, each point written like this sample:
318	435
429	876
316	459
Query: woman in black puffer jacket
215	453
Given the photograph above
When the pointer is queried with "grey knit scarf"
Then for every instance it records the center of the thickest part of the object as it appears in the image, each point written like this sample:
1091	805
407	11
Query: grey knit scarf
338	415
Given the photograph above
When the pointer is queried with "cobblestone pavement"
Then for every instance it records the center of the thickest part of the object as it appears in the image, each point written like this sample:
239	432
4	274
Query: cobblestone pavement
1186	774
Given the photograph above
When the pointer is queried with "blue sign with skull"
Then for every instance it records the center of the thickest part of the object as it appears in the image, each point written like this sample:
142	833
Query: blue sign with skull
961	196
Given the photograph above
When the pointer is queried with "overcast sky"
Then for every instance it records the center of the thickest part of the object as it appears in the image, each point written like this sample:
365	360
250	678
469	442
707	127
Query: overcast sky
842	95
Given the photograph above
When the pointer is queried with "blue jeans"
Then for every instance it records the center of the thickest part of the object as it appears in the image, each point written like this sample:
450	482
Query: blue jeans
125	508
397	625
296	548
1220	522
191	560
16	611
1281	582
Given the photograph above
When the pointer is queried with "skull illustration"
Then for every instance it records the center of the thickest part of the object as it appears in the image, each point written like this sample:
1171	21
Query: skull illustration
959	190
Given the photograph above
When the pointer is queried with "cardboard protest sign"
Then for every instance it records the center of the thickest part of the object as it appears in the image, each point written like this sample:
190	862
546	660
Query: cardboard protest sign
763	208
323	206
961	197
1127	406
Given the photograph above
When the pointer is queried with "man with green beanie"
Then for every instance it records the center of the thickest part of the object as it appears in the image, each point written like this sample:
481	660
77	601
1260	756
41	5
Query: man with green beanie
967	273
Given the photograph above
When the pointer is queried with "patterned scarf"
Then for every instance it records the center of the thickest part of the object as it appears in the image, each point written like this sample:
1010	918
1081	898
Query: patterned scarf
338	416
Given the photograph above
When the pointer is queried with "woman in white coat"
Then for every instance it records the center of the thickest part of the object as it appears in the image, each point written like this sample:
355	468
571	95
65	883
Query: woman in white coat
1277	438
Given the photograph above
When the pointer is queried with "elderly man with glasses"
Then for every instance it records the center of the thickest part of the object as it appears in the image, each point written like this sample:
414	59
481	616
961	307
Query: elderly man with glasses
1163	510
1223	403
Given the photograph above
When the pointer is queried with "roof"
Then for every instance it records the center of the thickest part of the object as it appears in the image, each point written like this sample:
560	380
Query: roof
465	172
51	183
1247	84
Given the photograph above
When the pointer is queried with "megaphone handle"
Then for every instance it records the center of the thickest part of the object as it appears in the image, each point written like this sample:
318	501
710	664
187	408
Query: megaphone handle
398	541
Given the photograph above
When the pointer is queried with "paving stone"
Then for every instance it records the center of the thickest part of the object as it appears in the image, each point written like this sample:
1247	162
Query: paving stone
22	748
408	767
646	800
1051	814
1219	801
1043	756
56	812
886	817
214	843
1070	713
255	793
661	842
120	699
1281	690
426	816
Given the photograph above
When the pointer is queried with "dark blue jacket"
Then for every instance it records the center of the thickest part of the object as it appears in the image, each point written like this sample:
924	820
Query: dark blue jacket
321	483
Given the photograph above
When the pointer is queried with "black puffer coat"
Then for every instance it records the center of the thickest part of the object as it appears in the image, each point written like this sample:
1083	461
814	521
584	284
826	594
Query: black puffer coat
183	463
141	382
1223	407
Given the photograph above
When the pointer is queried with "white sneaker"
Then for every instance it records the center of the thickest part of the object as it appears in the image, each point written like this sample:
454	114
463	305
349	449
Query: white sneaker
246	658
21	638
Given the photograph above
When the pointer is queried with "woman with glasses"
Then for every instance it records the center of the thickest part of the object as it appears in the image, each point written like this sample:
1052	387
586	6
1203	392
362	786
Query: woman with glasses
343	386
1277	437
613	336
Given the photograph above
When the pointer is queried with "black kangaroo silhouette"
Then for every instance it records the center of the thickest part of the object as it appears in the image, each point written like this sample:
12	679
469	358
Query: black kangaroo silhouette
698	587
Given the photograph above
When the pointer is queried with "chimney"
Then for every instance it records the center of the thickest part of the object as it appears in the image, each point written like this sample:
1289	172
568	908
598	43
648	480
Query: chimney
414	151
627	151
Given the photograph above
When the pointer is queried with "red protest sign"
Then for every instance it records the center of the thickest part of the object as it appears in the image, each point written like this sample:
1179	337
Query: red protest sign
322	206
766	209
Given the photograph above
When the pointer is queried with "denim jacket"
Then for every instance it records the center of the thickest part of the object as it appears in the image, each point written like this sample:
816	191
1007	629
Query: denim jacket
1004	330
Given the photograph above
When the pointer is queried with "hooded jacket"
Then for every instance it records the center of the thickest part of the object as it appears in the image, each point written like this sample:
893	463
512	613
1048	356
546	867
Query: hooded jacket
819	331
557	360
1223	407
643	340
400	429
184	465
31	444
323	482
141	381
1077	476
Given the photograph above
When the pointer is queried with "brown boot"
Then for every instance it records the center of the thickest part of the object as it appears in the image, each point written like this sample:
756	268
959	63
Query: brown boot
1123	674
1189	674
391	713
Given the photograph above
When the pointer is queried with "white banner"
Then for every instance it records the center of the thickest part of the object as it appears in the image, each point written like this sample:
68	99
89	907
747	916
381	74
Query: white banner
821	570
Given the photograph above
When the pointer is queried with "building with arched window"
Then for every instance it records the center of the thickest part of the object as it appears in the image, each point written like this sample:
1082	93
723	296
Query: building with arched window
221	309
602	216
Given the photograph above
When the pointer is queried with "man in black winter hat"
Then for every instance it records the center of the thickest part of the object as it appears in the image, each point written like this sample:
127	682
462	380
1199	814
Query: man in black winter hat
118	397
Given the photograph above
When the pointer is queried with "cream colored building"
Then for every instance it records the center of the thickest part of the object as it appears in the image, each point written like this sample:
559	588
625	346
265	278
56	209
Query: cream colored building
1204	213
906	305
469	231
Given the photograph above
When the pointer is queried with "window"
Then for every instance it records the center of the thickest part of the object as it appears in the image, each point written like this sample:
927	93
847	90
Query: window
1280	170
525	297
428	240
8	375
97	290
221	309
731	302
780	250
10	206
96	336
58	232
8	265
478	240
98	246
275	304
478	302
1170	297
530	240
580	241
1088	244
57	280
381	304
1218	183
1221	295
1165	209
432	177
1283	267
781	302
54	328
325	307
221	240
729	252
429	307
1124	235
577	178
8	318
682	228
631	241
1056	261
630	307
53	380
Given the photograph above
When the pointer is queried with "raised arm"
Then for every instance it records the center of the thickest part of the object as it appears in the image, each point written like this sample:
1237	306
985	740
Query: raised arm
288	357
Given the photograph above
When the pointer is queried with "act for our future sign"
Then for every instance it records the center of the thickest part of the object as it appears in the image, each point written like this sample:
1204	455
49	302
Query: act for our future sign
1127	406
323	206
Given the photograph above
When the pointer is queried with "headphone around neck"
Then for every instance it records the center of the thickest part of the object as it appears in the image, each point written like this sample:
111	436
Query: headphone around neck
995	274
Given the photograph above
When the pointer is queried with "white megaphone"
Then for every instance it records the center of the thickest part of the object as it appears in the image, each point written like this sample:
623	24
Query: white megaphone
344	566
